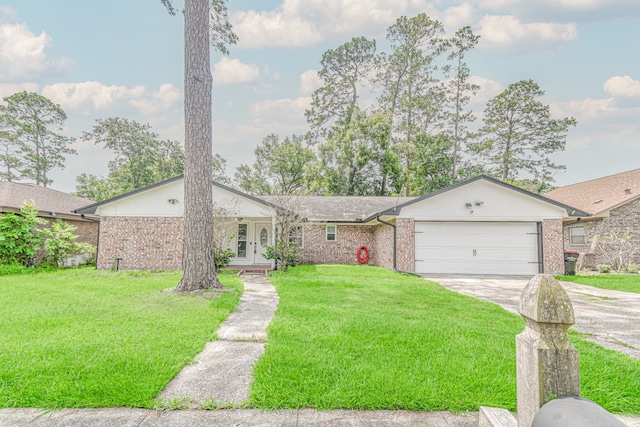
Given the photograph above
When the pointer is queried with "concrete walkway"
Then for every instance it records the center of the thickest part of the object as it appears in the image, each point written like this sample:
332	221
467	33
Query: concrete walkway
236	418
609	317
222	373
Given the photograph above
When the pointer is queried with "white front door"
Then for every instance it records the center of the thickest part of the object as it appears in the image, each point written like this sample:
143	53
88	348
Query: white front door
261	239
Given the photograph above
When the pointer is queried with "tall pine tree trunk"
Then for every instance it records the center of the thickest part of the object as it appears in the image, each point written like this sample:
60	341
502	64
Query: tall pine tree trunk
198	265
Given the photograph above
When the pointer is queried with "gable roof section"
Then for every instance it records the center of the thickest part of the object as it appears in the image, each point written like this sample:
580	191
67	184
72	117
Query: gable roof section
599	195
48	202
571	211
91	209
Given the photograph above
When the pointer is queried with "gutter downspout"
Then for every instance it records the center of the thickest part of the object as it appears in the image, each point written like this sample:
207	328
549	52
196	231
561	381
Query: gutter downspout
394	240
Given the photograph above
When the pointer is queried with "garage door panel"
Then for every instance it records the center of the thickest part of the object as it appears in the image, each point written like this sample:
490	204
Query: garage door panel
476	248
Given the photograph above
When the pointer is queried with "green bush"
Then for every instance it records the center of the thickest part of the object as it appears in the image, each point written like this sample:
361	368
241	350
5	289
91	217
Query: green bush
20	235
286	254
222	257
604	268
632	268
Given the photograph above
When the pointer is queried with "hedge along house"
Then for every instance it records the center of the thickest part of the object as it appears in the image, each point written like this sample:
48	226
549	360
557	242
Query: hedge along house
480	226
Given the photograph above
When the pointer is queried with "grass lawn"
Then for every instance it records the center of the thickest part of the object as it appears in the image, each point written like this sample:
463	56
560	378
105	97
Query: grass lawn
616	282
364	337
87	338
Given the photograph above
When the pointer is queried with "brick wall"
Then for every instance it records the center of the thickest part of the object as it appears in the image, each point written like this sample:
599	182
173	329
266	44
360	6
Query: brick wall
142	243
626	216
552	246
383	246
405	245
317	250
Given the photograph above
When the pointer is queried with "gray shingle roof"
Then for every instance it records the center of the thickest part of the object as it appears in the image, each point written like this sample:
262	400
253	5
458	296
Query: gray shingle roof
47	200
342	208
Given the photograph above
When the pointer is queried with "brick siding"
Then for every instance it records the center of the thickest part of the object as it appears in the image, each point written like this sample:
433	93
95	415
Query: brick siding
405	245
317	250
383	246
142	243
552	246
626	216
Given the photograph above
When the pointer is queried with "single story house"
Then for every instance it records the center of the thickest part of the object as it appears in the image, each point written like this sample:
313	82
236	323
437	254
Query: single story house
613	205
51	205
480	226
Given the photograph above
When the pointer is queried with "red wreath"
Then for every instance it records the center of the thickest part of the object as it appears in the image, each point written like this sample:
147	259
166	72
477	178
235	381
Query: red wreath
363	255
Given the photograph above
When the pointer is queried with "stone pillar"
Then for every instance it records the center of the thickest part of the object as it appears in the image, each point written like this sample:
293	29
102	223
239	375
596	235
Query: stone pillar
547	364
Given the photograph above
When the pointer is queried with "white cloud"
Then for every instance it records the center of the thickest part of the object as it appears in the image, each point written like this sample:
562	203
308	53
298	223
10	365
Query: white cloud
8	14
307	22
622	86
283	108
558	10
585	110
509	33
22	53
161	100
309	82
75	95
232	72
11	88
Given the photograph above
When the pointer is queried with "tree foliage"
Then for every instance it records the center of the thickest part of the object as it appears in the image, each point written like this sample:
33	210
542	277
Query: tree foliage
343	71
519	134
280	167
141	158
32	141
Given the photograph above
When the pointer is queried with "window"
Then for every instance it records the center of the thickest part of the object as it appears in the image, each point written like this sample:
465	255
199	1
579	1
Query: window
331	233
295	235
242	241
576	236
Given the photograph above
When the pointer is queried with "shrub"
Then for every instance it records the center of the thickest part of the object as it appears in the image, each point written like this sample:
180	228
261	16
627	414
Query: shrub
60	244
632	268
9	269
222	257
20	236
286	254
604	268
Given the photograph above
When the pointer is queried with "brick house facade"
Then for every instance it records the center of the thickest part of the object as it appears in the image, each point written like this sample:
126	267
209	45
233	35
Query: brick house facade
144	229
611	204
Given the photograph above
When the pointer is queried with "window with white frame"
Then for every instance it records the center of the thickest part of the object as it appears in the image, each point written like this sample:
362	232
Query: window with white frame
295	235
331	233
242	241
577	236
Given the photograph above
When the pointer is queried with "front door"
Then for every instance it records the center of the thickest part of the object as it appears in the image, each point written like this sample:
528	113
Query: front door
262	238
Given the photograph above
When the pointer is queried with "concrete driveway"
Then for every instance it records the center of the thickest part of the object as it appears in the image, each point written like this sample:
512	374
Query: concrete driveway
609	317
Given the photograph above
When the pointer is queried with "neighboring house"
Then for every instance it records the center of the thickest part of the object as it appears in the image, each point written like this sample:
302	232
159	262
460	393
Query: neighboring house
613	205
51	205
480	226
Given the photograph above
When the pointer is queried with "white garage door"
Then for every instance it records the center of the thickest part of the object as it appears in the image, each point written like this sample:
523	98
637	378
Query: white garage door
476	247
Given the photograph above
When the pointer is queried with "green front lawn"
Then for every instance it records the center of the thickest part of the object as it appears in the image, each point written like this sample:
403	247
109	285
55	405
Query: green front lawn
364	337
616	282
87	338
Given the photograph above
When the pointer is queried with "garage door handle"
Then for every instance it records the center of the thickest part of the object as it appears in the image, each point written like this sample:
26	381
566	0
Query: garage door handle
475	252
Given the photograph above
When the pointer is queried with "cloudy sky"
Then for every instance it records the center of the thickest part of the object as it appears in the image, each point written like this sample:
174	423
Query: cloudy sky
99	59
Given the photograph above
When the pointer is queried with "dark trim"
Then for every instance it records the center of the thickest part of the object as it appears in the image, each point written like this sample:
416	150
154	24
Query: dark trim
91	209
540	248
396	210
